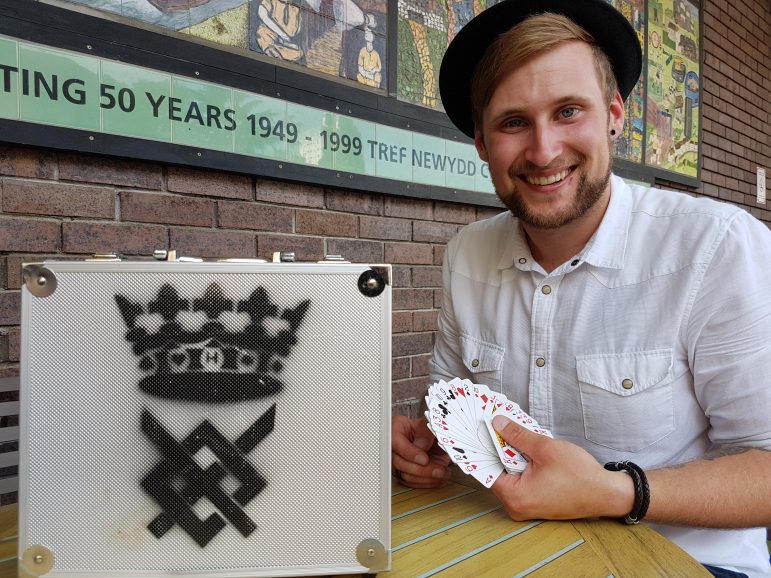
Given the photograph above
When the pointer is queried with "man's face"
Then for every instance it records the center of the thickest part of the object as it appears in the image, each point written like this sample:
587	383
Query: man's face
545	134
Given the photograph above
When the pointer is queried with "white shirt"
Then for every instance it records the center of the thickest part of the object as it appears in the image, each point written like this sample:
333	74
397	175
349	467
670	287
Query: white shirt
651	345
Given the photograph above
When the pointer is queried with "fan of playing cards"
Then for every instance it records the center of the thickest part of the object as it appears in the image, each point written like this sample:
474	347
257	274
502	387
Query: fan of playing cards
460	415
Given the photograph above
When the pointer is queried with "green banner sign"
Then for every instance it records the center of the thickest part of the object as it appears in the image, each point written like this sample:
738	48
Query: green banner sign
50	86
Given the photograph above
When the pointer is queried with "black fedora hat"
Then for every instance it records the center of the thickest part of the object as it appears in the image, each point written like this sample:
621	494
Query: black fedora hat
610	29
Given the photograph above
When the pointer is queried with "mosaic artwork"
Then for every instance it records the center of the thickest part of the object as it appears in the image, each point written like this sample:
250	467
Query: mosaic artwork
629	144
348	39
673	86
426	27
343	38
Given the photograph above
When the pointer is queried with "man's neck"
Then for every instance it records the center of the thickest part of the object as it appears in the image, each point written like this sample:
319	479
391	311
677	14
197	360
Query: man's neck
552	247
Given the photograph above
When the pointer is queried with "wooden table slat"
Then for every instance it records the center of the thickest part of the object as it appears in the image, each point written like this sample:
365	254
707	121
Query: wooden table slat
517	553
421	523
580	562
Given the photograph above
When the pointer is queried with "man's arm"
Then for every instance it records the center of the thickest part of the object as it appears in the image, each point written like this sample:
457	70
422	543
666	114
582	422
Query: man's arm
563	481
730	489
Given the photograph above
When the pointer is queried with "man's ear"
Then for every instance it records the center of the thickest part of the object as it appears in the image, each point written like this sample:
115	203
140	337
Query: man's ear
480	144
616	114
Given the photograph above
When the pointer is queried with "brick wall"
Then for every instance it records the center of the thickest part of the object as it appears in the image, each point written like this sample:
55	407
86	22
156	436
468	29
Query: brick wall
60	204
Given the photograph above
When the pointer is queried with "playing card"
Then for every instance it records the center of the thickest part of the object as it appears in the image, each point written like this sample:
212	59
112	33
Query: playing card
460	415
513	461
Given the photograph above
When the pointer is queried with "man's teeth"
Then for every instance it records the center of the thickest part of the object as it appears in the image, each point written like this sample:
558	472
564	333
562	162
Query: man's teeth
548	180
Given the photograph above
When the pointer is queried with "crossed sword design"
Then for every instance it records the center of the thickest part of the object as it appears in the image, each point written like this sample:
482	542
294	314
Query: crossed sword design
179	463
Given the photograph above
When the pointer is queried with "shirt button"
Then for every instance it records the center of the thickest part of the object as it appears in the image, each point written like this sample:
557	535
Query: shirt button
522	260
627	384
574	262
474	363
540	362
545	289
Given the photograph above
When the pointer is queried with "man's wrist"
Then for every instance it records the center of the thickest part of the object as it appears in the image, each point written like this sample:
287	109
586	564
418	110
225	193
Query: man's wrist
641	489
621	496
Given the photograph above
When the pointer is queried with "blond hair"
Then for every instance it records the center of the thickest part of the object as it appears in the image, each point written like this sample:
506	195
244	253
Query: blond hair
535	35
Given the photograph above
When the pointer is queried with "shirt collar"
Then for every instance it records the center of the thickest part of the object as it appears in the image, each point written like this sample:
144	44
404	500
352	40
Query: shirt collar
606	248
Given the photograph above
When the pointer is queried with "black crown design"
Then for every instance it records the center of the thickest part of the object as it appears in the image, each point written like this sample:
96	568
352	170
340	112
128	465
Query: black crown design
211	363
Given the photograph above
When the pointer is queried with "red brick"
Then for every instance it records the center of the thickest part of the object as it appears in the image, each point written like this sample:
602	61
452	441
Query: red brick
425	320
4	350
430	232
110	170
167	209
426	276
36	235
409	253
438	298
409	389
385	228
212	243
326	223
400	367
14	343
356	250
411	344
10	307
90	237
208	183
354	202
258	217
412	299
54	198
289	194
401	321
402	276
454	213
420	365
27	162
439	254
304	248
408	208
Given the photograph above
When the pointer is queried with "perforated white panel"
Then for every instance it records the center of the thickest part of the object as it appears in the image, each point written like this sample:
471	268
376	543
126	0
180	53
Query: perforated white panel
129	419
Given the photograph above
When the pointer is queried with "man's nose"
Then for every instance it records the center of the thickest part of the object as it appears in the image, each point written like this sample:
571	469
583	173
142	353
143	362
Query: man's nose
544	145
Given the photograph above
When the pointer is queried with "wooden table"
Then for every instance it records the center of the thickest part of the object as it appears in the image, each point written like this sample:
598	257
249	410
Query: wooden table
461	531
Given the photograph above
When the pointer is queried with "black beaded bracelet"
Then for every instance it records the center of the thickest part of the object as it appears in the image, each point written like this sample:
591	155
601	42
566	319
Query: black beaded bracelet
642	492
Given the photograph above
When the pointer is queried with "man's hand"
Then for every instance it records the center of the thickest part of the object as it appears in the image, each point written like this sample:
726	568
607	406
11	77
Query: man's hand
415	455
561	482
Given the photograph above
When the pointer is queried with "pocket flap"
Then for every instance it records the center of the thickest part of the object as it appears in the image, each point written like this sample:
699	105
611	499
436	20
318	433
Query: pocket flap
480	355
625	373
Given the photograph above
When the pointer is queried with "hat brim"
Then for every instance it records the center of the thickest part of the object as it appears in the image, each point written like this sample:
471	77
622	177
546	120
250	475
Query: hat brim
610	29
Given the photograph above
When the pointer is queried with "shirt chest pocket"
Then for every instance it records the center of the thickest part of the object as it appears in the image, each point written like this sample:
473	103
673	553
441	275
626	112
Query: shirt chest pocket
483	360
626	398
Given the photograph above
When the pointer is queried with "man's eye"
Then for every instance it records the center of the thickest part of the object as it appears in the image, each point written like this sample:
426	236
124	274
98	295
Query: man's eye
513	123
568	112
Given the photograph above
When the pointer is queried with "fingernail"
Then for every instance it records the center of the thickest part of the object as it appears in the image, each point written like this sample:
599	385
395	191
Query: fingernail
499	422
424	443
422	460
437	473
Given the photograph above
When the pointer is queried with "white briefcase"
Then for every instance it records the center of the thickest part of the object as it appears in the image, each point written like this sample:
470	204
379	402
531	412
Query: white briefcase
207	419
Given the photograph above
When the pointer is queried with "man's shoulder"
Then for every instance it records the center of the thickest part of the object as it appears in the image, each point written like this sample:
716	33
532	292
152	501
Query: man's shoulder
658	202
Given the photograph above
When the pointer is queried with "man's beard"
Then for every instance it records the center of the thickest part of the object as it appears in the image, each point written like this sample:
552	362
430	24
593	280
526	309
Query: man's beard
588	193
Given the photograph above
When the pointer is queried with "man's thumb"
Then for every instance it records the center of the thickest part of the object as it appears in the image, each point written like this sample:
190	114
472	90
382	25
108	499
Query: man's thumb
514	434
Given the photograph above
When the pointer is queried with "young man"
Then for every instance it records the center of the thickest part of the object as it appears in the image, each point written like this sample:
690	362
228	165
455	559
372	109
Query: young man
633	323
